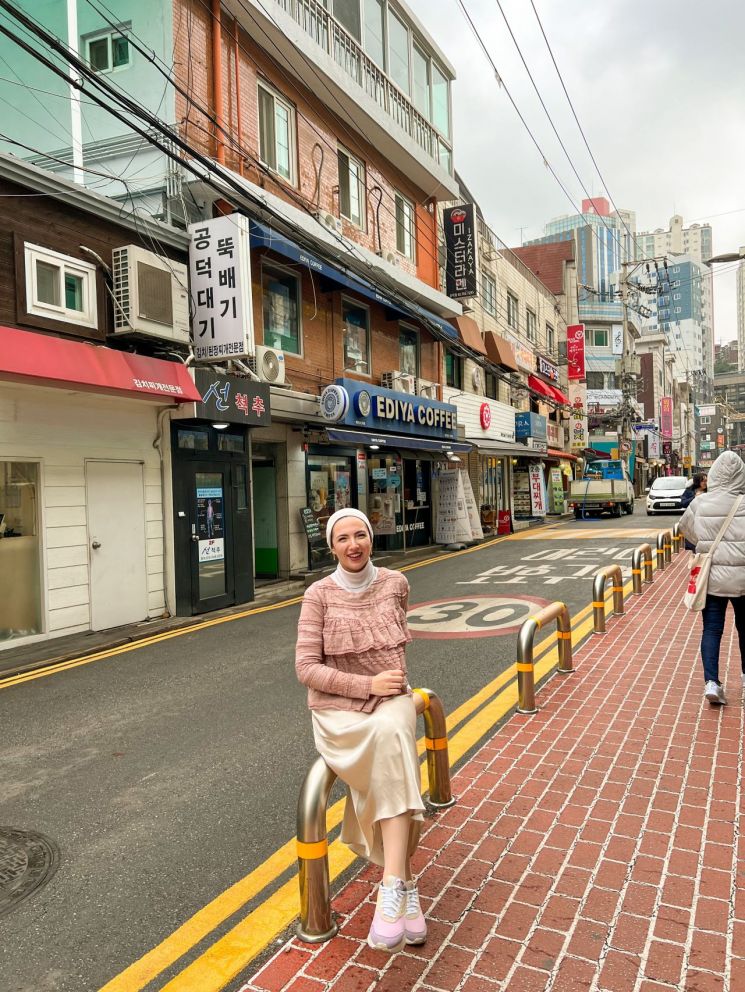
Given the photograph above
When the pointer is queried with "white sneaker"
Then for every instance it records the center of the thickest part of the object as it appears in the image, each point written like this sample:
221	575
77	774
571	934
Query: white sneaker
715	693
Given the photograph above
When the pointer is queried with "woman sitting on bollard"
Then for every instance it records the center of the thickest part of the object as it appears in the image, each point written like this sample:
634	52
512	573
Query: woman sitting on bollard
351	645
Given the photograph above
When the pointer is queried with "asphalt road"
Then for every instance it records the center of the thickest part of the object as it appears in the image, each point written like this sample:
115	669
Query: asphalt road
167	773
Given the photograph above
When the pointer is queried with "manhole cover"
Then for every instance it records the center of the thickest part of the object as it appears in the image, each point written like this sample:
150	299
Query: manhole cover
27	862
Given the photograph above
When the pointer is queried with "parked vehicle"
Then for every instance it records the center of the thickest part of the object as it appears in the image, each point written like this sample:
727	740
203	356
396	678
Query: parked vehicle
604	488
665	493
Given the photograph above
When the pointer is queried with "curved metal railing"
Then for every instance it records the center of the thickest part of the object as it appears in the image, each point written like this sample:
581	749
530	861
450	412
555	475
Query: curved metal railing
600	578
525	665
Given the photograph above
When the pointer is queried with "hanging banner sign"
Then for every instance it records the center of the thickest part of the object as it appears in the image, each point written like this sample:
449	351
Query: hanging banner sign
617	339
576	351
461	263
537	490
666	416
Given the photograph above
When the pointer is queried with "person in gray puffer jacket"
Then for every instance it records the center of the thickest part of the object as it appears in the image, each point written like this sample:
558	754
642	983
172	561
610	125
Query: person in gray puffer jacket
700	524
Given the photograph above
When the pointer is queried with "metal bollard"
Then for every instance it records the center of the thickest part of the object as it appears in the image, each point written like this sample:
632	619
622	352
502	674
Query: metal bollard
661	551
598	595
436	742
642	556
677	539
668	546
316	923
525	665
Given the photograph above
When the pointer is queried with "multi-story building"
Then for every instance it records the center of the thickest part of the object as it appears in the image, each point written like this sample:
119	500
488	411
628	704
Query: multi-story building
695	240
741	316
714	429
729	391
317	134
726	357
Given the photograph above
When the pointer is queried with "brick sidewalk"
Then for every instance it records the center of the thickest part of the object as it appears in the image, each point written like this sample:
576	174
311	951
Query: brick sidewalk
594	846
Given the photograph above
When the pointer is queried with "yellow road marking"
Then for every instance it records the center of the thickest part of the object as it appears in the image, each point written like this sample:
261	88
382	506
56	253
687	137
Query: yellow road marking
276	913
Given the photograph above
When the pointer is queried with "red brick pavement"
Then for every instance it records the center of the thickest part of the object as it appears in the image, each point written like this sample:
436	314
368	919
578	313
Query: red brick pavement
595	846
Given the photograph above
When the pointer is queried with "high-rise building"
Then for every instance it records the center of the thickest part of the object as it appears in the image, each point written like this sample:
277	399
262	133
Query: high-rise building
741	316
676	240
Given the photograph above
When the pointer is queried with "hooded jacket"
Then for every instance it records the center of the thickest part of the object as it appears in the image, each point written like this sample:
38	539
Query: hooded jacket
702	520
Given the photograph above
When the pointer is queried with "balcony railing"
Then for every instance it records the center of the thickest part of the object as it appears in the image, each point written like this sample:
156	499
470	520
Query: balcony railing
336	41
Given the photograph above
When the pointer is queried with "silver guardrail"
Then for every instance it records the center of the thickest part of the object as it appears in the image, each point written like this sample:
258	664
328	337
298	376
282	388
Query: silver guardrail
525	665
612	572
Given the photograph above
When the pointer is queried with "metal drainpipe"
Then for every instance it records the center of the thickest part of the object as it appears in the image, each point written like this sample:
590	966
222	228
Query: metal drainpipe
217	79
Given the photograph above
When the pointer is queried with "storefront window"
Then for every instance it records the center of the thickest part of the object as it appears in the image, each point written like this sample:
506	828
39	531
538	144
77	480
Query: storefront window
491	493
281	297
356	338
20	550
329	484
385	482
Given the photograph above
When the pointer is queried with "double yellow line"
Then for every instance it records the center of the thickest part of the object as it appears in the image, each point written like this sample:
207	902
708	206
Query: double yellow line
229	955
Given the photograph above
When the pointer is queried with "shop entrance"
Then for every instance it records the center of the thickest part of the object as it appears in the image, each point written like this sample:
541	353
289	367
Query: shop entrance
266	541
417	502
212	522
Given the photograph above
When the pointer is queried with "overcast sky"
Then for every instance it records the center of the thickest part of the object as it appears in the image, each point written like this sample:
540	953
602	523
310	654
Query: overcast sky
659	89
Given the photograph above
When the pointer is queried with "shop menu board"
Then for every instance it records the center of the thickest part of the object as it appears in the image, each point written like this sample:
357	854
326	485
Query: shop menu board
530	491
453	525
210	523
556	491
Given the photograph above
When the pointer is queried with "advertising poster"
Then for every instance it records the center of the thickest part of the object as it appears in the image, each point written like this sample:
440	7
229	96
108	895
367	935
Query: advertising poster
576	351
452	516
477	532
319	491
210	523
537	490
383	513
342	499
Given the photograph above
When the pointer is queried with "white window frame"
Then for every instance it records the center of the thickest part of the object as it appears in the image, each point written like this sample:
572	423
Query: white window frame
407	228
108	36
531	325
361	188
88	316
550	339
489	298
350	301
513	311
277	98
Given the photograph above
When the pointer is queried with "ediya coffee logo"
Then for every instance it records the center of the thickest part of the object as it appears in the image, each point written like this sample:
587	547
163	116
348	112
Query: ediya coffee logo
457	216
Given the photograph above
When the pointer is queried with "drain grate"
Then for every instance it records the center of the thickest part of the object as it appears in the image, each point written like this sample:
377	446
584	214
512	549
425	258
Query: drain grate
27	862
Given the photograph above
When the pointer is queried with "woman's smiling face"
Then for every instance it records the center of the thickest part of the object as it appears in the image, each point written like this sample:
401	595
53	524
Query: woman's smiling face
350	542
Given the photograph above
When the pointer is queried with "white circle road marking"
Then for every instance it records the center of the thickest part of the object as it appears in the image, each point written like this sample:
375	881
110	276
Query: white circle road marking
472	616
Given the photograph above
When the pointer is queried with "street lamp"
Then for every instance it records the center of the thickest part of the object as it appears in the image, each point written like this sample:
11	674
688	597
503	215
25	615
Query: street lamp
728	256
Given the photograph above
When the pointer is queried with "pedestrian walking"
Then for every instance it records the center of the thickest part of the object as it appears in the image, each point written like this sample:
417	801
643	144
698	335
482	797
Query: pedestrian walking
701	524
695	487
351	654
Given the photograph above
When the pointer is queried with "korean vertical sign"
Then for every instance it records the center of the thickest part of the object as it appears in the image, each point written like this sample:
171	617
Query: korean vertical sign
666	416
220	277
576	351
461	264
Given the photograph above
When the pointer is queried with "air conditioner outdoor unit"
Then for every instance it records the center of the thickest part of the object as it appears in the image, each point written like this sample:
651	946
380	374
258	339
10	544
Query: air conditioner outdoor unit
150	295
332	222
269	365
392	258
401	382
426	389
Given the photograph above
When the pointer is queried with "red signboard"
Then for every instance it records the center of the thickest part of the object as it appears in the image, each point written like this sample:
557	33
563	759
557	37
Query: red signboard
504	522
666	416
576	351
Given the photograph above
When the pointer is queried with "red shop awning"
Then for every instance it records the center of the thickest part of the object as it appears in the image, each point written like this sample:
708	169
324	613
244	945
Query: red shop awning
558	453
50	361
550	392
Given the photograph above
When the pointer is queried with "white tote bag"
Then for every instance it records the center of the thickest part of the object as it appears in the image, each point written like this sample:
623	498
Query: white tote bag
698	580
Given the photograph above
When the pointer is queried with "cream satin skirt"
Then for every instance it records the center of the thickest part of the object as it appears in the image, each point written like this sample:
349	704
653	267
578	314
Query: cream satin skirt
375	755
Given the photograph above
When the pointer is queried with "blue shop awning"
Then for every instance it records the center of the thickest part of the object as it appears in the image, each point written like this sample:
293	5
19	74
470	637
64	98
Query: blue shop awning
344	436
263	236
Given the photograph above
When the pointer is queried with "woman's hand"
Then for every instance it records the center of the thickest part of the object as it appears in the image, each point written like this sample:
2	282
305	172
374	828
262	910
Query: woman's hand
389	683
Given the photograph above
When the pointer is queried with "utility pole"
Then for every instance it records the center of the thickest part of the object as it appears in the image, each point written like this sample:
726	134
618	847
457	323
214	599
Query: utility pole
627	376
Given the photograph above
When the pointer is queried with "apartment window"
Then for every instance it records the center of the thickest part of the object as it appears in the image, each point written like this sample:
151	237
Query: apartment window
405	227
351	188
550	339
595	380
530	324
282	308
489	293
453	370
356	322
600	337
420	75
347	12
408	350
60	287
490	385
276	133
375	31
512	311
108	52
398	49
440	101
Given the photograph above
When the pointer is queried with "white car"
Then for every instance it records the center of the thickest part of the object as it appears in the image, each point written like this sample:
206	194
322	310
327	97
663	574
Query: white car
665	494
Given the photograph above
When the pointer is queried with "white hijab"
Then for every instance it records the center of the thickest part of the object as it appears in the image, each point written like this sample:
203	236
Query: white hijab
355	582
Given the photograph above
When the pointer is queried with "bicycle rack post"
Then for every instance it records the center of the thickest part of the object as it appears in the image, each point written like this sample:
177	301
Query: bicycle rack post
641	558
661	551
316	923
436	741
525	664
612	572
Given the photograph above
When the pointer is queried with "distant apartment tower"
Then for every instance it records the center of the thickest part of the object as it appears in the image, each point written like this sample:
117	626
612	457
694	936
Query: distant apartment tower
603	240
676	240
741	317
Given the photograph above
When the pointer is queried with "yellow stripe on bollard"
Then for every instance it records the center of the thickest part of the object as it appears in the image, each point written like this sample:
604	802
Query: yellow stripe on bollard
599	606
636	571
313	850
423	695
436	743
521	667
564	635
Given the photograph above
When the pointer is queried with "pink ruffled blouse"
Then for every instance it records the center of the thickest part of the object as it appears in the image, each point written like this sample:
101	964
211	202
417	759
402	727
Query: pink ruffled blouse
345	638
